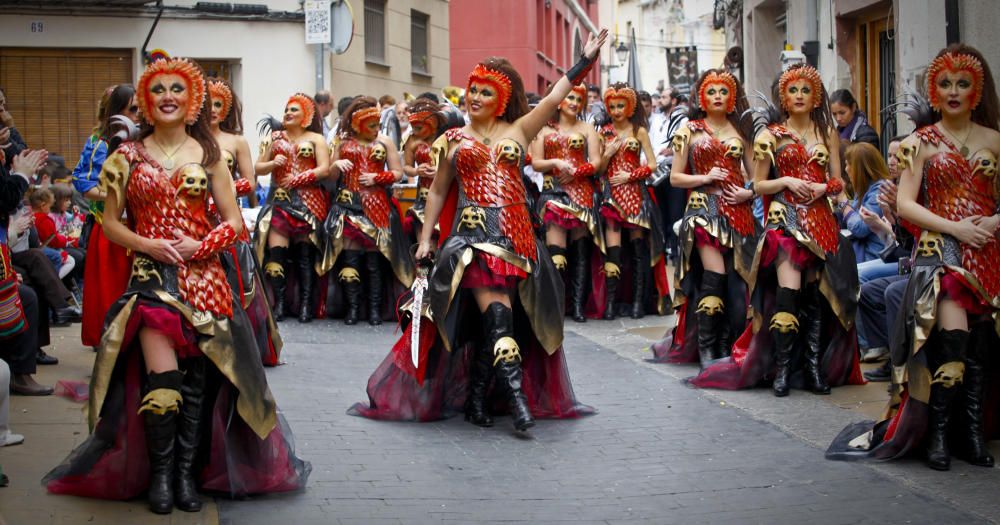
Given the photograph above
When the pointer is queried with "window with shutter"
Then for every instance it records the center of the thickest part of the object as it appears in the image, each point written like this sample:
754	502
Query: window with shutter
419	60
375	31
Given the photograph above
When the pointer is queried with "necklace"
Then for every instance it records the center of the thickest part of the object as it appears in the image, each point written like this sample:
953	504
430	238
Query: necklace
486	137
168	162
962	149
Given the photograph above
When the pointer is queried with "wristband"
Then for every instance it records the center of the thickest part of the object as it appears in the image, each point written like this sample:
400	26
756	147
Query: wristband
640	173
584	171
834	187
581	69
243	187
220	238
385	178
302	179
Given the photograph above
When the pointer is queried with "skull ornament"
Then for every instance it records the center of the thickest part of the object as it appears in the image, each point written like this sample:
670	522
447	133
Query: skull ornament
306	150
632	144
576	141
680	139
948	374
734	148
548	183
349	275
985	162
473	218
784	322
509	151
611	270
777	213
820	155
697	201
345	196
930	245
143	270
161	401
281	194
764	146
274	270
230	161
506	350
906	154
559	261
710	305
377	153
194	181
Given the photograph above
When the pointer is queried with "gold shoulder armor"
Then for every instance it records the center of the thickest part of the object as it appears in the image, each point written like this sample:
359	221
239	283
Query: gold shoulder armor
764	146
264	144
907	152
680	139
114	177
439	150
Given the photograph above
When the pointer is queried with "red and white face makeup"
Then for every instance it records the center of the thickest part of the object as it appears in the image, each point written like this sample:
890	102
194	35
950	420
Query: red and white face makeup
481	100
293	114
169	95
799	97
618	109
955	91
572	104
716	98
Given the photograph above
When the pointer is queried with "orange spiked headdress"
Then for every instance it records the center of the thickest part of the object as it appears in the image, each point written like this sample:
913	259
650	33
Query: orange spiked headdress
360	116
955	62
183	68
626	93
497	80
218	90
716	77
802	72
307	105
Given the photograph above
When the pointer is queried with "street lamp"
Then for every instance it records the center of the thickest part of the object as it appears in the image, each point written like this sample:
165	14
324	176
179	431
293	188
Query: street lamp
621	51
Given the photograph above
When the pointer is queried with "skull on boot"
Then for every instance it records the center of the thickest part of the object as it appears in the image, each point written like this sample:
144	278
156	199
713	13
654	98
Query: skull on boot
506	350
711	305
949	374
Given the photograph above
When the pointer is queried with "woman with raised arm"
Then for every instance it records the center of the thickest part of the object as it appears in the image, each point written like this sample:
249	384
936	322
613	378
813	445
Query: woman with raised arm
495	301
364	223
718	234
298	158
176	369
949	195
805	283
566	152
242	267
627	204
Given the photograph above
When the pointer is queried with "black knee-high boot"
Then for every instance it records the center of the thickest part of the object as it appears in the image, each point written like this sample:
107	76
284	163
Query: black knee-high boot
373	265
159	409
307	263
579	251
477	411
558	254
350	278
274	271
973	447
640	277
784	329
189	434
612	273
499	322
711	316
949	372
812	315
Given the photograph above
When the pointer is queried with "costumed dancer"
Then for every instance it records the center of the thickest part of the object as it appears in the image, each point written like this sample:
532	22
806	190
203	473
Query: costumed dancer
804	282
718	234
626	203
364	227
948	195
428	120
296	155
242	267
495	299
176	369
566	151
106	274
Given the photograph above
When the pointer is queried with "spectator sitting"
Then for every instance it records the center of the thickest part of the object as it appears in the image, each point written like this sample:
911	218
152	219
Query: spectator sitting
867	172
851	124
54	244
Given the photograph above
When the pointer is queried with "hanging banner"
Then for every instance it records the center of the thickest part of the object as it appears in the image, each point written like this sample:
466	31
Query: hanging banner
682	68
317	21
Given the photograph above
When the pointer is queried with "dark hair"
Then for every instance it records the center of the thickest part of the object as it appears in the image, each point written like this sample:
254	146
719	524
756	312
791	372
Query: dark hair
517	106
821	117
430	95
345	118
387	100
844	96
638	118
40	196
233	123
987	113
60	192
743	126
322	97
116	104
644	96
594	88
343	103
420	104
199	131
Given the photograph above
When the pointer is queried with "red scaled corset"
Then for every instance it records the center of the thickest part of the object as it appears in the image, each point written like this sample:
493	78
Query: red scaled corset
573	149
158	203
709	152
491	179
795	160
301	157
954	189
368	158
628	196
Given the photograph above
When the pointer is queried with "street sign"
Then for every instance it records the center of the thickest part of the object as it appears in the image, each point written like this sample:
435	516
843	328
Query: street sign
342	22
318	27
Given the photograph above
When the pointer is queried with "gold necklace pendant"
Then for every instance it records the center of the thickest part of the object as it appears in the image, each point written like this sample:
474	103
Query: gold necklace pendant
486	141
168	163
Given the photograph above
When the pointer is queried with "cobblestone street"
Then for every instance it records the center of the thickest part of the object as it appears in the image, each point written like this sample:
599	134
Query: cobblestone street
656	452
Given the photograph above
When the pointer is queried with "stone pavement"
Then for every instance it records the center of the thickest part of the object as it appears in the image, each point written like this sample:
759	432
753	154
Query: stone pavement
657	451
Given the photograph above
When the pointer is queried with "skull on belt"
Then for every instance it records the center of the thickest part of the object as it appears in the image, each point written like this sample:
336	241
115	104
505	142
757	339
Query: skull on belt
306	150
820	154
143	270
930	244
985	162
377	153
509	151
345	196
734	148
194	180
576	141
281	194
473	218
697	201
777	213
548	183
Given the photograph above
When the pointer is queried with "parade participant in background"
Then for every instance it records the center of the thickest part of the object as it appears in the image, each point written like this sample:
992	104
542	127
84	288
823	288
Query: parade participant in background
427	121
948	192
718	235
364	223
566	151
628	205
175	330
106	274
296	154
806	285
495	300
242	267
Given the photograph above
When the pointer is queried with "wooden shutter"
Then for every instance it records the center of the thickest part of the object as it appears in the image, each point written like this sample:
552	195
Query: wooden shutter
53	93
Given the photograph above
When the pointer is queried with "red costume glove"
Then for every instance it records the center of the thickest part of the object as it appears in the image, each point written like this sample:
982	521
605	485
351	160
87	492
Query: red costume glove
220	238
243	187
834	187
384	178
305	178
640	173
585	170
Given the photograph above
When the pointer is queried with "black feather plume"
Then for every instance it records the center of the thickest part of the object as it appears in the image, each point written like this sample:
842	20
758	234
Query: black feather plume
915	106
761	116
268	124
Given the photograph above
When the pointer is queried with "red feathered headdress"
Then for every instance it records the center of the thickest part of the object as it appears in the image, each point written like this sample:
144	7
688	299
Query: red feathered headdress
718	78
953	63
497	80
182	67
